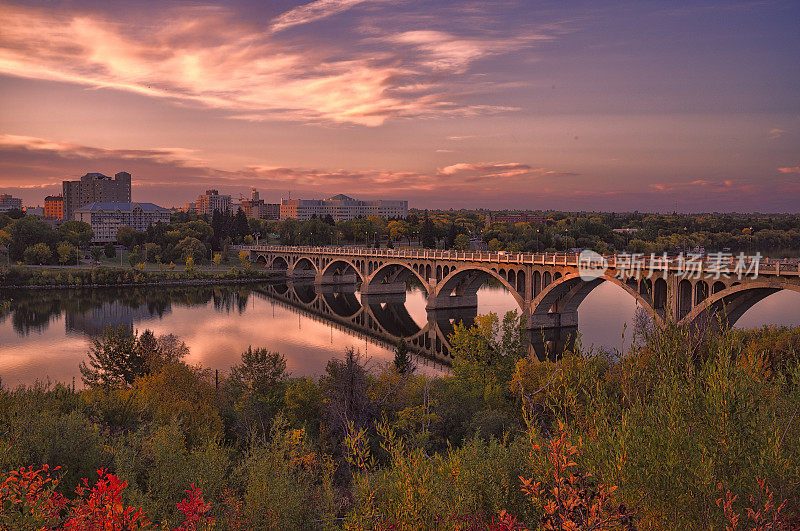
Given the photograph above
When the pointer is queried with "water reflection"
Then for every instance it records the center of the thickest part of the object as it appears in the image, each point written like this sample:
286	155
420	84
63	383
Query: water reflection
308	324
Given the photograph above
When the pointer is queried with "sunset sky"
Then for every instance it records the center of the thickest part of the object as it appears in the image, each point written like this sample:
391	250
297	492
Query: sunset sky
590	105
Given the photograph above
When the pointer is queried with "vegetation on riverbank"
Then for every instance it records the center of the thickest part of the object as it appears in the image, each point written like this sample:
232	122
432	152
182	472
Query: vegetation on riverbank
20	277
683	431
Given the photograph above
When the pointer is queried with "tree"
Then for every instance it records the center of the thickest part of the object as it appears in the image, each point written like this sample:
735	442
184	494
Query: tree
115	359
461	242
241	227
110	250
96	253
257	386
402	359
66	253
190	247
486	353
78	233
427	234
26	232
129	237
39	253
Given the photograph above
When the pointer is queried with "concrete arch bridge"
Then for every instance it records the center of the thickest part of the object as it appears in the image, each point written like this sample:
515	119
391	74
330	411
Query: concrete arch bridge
548	288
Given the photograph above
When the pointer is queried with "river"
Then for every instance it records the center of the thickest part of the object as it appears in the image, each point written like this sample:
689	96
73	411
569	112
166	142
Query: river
44	335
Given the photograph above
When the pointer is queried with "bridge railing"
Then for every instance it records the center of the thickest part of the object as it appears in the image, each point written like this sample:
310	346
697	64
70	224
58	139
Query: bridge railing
616	261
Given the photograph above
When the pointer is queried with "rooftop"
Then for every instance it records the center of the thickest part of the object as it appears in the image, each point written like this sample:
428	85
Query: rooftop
123	207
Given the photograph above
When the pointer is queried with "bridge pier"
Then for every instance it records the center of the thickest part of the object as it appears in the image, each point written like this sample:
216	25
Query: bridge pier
551	320
297	274
377	288
335	280
452	301
380	298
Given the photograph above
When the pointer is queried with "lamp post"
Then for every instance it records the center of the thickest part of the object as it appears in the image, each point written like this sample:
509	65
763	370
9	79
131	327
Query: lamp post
257	235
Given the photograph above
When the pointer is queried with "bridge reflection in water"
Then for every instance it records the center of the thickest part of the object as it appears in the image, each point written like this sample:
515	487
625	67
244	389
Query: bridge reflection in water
385	319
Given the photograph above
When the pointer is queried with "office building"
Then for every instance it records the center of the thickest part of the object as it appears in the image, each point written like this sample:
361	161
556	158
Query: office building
54	207
106	218
93	188
341	207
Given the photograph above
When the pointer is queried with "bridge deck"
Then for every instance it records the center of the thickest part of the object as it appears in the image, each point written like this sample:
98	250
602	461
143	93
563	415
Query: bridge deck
785	267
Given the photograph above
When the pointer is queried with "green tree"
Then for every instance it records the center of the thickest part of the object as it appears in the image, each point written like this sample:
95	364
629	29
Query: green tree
402	359
39	253
129	237
115	359
190	247
427	234
110	250
486	353
67	253
461	243
257	386
77	233
26	232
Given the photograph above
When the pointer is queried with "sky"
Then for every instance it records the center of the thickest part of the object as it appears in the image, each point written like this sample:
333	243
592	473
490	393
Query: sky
510	104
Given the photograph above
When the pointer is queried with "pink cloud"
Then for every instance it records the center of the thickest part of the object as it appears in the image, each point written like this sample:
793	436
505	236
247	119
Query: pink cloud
203	55
790	169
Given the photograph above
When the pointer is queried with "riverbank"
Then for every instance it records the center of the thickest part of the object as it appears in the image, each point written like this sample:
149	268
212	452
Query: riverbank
21	277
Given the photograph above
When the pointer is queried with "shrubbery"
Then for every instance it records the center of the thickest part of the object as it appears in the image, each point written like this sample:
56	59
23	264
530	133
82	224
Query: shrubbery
22	276
684	431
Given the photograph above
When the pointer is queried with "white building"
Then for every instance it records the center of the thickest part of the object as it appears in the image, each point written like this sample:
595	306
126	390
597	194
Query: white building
107	218
341	207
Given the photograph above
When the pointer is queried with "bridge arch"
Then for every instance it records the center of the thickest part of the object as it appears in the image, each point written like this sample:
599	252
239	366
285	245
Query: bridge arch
564	295
393	273
468	280
341	268
279	263
304	264
729	304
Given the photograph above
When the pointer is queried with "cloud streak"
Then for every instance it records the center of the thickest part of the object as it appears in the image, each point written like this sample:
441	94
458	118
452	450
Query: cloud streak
206	56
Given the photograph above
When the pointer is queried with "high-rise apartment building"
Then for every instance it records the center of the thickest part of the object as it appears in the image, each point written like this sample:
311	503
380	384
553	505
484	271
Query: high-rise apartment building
54	207
341	207
210	201
95	187
9	202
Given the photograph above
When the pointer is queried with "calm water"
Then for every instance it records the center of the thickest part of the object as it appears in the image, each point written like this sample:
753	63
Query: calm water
47	334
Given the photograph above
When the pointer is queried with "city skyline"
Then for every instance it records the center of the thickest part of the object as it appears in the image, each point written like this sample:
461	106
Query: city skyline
512	105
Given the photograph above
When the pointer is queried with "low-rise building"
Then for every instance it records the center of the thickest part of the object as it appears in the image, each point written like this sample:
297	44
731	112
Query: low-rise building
54	207
341	207
9	202
34	211
107	218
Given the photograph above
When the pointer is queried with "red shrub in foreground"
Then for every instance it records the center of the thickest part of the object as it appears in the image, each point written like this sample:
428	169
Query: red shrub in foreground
764	515
574	501
28	499
102	508
195	509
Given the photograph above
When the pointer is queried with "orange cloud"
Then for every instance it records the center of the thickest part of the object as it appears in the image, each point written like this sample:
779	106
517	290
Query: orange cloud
790	169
